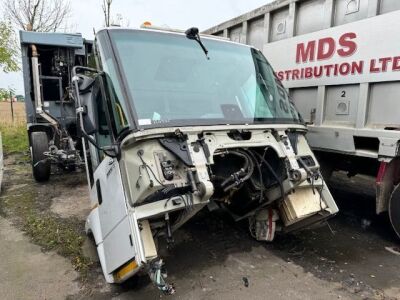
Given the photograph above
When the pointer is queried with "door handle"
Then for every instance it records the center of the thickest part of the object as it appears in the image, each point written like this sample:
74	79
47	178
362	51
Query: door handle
99	195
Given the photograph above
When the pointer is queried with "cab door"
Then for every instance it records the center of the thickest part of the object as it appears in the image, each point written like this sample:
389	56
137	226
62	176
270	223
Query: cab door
113	230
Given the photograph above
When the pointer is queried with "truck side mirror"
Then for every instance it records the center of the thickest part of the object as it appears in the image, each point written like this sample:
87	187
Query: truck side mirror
88	96
85	85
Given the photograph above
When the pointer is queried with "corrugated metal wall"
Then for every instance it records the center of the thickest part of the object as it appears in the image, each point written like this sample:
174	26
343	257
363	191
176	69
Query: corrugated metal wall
285	19
322	105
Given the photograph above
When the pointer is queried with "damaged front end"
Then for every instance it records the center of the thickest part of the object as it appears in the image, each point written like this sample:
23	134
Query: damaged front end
268	176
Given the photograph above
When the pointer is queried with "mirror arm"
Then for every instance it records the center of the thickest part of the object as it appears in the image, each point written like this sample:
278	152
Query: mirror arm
114	149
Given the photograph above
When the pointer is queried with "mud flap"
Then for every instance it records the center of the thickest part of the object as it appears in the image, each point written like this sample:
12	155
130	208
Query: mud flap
388	176
394	210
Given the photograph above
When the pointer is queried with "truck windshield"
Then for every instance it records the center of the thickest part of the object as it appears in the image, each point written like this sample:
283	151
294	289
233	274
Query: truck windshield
171	81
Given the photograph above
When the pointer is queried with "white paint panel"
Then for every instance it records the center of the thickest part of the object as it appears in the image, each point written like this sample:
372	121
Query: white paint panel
347	11
384	111
388	6
310	16
305	100
341	105
235	34
279	24
255	33
376	38
115	231
113	207
117	247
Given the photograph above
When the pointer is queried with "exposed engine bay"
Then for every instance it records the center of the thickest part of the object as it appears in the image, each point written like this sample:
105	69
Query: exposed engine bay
269	177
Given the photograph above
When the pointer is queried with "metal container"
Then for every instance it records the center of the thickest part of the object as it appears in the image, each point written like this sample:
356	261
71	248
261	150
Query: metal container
340	61
353	111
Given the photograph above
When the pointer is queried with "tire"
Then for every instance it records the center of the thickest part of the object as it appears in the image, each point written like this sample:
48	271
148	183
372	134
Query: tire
40	166
394	210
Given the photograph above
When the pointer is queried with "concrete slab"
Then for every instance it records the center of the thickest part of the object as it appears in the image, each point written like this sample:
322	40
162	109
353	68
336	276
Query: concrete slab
28	273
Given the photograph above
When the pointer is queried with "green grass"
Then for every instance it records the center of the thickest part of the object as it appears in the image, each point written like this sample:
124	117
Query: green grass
63	236
15	137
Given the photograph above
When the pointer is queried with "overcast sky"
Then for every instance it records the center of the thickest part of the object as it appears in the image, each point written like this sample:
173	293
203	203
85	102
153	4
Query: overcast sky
181	14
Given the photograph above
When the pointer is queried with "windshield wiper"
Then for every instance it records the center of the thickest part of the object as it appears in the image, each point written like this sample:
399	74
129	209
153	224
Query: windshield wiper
193	34
267	89
264	82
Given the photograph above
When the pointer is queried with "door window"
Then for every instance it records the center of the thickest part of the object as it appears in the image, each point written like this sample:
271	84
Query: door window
103	133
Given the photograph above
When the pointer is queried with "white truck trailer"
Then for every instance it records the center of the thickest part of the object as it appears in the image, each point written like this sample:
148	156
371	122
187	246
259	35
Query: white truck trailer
340	61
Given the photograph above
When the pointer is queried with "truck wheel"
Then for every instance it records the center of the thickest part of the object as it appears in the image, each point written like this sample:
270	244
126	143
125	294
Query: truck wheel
40	166
394	210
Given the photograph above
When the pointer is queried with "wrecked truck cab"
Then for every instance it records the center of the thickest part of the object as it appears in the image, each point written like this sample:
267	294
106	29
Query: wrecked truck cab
173	122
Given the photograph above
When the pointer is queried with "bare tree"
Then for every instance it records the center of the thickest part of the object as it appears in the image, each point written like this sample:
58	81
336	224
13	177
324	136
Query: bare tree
107	12
37	15
109	20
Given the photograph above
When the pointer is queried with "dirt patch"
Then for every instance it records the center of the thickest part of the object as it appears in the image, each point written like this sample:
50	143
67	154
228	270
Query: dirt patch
27	204
214	258
72	203
352	249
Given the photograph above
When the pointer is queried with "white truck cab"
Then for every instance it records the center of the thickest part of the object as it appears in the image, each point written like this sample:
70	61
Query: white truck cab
173	122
